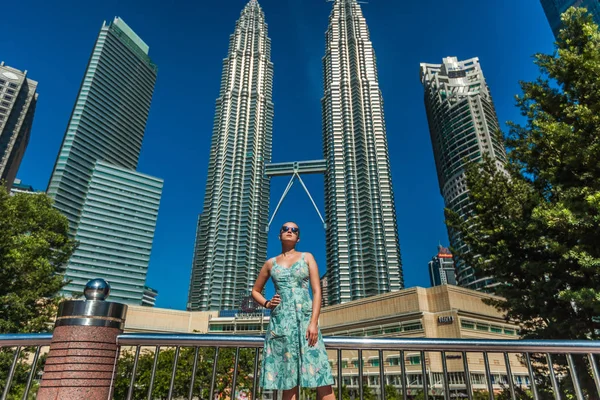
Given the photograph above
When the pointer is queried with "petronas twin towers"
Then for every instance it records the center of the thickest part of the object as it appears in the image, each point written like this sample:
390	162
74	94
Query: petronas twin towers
363	252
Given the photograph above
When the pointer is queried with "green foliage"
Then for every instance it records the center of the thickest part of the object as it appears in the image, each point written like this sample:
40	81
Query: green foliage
369	393
391	393
33	248
345	392
420	396
184	371
536	226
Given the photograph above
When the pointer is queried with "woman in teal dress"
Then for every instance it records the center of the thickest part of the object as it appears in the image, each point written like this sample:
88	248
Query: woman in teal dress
294	354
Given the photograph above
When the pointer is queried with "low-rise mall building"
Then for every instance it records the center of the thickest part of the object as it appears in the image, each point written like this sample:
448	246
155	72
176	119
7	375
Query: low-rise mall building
439	312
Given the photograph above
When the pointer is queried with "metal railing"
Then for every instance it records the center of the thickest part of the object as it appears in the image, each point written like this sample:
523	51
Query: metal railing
25	345
528	348
561	368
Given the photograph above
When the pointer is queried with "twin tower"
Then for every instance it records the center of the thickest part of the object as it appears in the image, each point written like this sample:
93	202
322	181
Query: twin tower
362	247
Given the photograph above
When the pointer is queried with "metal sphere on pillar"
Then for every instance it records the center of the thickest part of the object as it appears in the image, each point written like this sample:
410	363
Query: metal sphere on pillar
96	289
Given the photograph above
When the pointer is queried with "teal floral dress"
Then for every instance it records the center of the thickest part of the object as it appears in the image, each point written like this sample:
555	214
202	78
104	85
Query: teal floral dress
288	361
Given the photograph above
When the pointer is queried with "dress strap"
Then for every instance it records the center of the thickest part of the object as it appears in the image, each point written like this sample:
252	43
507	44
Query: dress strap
302	256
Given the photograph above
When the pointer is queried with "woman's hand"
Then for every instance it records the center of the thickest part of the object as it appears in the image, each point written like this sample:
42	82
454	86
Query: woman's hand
274	302
312	334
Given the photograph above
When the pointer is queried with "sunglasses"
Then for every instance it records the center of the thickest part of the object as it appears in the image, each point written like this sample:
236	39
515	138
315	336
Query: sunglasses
286	228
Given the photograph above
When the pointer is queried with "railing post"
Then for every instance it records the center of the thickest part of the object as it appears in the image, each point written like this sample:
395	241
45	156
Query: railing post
83	353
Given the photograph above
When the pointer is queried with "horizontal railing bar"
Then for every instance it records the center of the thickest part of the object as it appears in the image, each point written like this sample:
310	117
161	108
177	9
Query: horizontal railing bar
355	343
25	339
189	340
332	342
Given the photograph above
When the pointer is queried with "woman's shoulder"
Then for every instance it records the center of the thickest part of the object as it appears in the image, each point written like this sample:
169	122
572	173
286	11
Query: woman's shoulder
271	261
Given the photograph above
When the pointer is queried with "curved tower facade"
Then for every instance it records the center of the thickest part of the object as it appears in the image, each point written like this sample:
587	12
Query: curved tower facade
363	251
463	125
231	244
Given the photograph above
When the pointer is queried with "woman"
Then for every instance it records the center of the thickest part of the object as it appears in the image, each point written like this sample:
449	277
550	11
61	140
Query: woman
294	353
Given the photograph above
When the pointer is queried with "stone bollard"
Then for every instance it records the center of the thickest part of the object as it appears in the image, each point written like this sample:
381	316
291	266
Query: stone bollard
83	353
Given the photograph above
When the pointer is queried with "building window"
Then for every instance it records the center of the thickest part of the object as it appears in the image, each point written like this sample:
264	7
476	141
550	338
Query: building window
413	360
496	329
393	361
12	85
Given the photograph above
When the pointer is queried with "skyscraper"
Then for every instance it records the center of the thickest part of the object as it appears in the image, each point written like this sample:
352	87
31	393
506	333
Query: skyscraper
111	208
18	99
463	125
441	268
231	244
363	252
554	8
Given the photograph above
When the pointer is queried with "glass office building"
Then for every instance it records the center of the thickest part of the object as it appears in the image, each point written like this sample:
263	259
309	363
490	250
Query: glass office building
109	117
18	99
100	151
463	126
115	232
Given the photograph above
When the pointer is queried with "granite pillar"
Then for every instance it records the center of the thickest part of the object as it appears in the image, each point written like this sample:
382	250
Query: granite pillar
83	353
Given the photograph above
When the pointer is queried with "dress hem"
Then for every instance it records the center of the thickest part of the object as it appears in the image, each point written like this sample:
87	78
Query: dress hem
301	386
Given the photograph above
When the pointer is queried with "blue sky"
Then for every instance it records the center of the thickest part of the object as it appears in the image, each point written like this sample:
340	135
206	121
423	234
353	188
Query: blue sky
188	40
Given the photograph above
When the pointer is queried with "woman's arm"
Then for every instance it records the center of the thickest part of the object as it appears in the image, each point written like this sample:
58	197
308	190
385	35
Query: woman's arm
312	333
259	285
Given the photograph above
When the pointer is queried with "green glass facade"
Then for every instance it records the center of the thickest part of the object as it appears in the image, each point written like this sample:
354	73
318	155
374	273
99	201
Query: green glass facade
115	232
100	152
109	117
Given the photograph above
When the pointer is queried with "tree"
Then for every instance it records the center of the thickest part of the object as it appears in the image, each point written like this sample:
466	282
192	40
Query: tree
535	224
184	371
33	248
369	393
345	392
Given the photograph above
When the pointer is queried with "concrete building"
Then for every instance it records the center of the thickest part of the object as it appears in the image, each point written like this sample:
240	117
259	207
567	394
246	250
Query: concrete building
554	9
441	268
231	243
463	125
110	207
362	247
440	312
18	99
